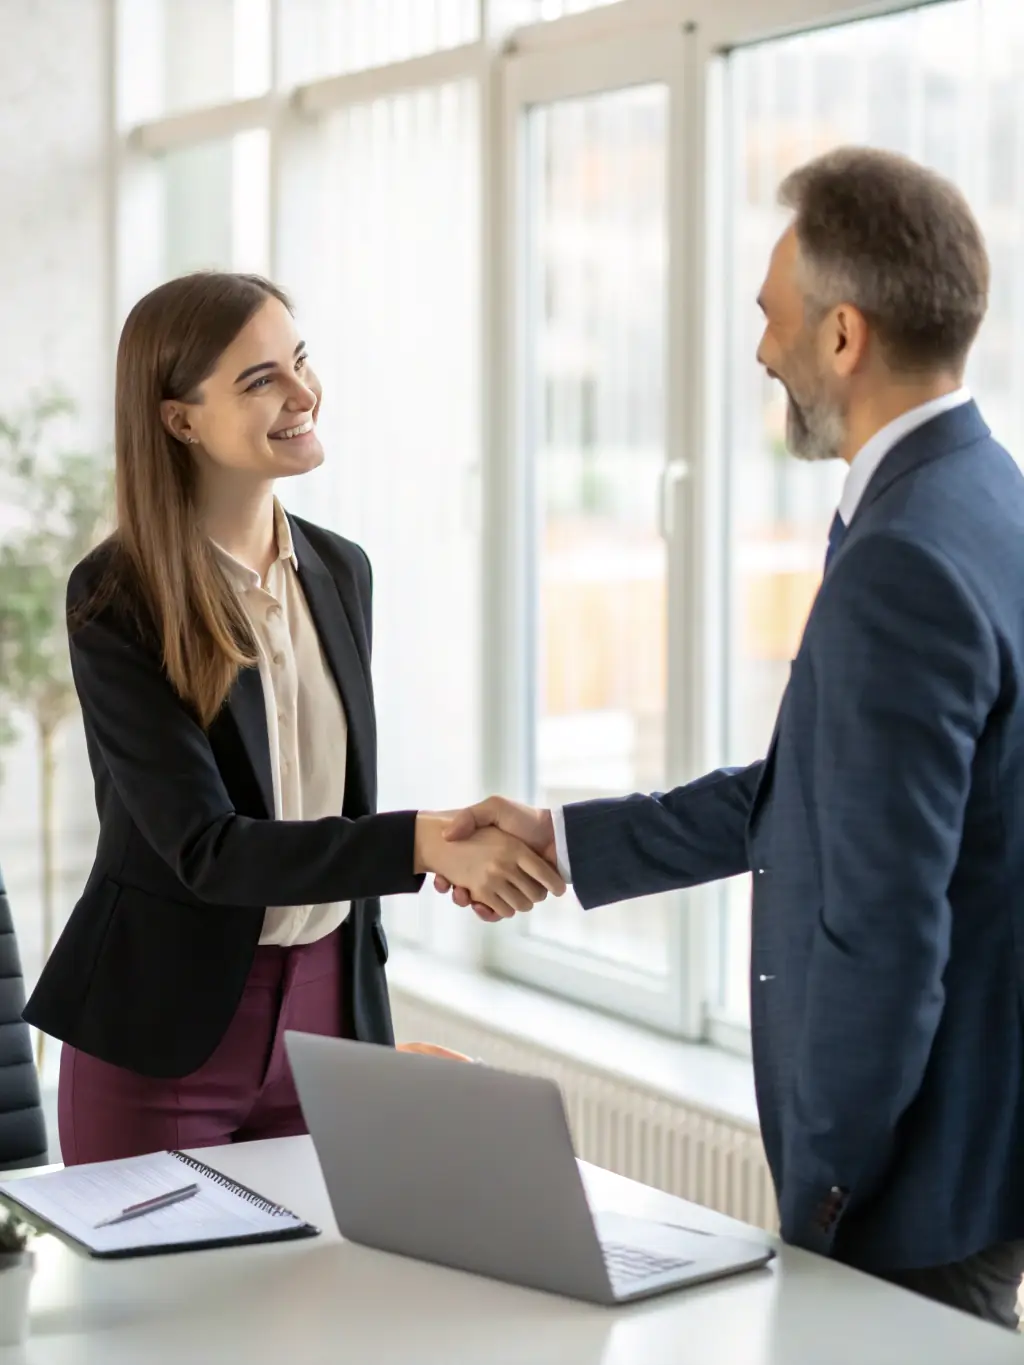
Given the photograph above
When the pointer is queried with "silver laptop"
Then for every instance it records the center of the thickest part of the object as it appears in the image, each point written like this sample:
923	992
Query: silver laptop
473	1168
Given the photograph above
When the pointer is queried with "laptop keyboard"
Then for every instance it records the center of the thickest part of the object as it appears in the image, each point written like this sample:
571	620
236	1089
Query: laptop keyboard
627	1264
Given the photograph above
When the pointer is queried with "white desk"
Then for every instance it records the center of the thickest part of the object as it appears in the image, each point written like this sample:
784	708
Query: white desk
323	1300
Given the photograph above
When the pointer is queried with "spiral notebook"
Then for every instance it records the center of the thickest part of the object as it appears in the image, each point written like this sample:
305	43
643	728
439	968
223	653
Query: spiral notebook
222	1213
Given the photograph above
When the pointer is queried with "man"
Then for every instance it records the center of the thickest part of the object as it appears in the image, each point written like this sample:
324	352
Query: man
885	827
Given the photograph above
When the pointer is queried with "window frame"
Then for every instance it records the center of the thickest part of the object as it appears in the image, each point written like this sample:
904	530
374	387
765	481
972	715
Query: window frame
533	79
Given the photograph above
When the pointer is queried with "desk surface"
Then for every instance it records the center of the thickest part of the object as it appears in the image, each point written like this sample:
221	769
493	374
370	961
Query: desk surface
324	1300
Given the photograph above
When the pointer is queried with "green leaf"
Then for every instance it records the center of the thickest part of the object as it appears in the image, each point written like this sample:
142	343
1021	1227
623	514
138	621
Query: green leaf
59	504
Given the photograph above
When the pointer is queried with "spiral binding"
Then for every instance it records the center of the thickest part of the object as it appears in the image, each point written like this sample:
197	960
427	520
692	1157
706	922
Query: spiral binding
243	1191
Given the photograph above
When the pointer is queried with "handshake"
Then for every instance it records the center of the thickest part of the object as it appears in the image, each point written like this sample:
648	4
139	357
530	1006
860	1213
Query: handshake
498	856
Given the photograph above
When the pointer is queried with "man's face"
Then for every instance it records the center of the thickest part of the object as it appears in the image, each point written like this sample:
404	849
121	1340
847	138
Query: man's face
790	352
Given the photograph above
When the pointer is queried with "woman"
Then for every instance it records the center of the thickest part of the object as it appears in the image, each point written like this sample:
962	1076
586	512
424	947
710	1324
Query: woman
221	652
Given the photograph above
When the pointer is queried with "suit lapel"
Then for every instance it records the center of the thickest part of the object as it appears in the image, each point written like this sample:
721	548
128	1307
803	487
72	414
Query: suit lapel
764	783
949	431
335	609
248	708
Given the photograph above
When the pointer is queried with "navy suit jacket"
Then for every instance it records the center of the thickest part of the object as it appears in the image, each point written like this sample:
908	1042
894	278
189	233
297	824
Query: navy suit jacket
885	831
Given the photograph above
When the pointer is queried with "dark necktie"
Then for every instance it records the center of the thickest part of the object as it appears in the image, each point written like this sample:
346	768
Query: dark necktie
836	536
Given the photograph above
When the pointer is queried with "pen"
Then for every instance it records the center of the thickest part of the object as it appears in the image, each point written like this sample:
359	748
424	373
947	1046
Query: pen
161	1201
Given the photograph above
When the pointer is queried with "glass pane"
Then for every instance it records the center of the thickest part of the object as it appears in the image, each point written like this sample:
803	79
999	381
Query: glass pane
595	436
326	37
393	310
941	84
182	54
215	205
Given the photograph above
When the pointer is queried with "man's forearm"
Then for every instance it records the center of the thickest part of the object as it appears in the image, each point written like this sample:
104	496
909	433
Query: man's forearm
640	845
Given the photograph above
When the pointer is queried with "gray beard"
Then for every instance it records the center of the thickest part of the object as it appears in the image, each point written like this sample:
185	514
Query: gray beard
814	433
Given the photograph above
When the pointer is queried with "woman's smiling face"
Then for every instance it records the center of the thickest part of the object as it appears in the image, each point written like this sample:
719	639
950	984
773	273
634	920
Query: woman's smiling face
256	413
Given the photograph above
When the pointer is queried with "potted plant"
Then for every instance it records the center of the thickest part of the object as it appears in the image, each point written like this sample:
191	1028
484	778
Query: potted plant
17	1265
58	501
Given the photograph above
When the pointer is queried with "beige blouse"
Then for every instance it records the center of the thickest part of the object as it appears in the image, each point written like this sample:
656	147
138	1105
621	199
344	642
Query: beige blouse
306	724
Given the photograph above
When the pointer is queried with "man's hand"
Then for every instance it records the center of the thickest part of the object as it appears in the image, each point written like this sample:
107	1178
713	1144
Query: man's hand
530	824
500	873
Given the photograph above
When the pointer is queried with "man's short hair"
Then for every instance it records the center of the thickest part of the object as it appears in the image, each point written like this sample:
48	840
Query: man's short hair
899	243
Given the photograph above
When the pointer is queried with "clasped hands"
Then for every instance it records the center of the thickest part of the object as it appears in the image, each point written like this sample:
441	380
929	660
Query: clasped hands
497	856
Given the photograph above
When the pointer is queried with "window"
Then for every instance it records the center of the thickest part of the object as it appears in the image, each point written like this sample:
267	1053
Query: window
393	307
328	38
930	83
587	632
198	206
595	345
176	55
373	224
500	259
216	205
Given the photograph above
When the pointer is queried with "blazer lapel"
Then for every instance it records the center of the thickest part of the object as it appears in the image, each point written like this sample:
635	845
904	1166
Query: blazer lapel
248	708
949	431
335	610
941	435
764	782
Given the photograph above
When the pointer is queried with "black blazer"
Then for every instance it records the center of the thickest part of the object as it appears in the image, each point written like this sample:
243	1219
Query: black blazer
152	963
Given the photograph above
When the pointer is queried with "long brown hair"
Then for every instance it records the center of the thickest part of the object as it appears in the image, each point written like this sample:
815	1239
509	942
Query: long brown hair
170	343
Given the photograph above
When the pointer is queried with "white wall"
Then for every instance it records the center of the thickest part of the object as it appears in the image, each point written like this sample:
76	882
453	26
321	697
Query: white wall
54	291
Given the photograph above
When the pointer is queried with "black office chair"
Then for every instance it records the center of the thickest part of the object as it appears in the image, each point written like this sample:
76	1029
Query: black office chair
22	1126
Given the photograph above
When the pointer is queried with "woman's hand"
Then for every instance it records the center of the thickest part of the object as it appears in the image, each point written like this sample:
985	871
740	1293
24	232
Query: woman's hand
498	871
535	827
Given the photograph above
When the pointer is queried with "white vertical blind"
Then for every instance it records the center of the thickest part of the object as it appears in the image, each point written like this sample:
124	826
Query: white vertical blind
394	308
216	205
332	37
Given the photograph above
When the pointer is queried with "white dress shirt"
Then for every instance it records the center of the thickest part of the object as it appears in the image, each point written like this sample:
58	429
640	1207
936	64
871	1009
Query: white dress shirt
862	466
307	729
873	452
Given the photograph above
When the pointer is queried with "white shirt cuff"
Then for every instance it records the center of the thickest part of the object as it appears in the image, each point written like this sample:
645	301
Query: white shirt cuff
561	843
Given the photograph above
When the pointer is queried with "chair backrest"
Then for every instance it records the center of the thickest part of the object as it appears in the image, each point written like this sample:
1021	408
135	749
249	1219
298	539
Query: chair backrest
22	1127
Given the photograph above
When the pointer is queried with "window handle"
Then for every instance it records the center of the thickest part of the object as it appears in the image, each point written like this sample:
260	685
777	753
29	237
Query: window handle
672	476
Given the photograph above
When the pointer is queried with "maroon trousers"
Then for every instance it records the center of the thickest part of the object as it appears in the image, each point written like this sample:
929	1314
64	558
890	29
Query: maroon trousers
244	1091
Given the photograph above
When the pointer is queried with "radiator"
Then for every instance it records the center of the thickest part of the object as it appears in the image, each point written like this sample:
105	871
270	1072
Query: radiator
617	1124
